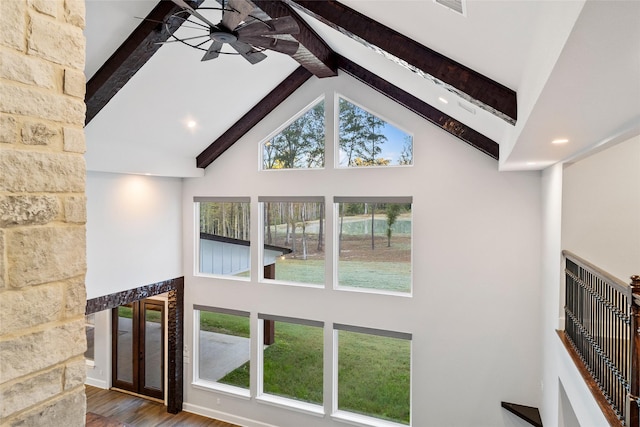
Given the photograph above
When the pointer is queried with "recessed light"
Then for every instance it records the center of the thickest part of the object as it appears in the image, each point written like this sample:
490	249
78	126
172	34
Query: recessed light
191	124
531	163
443	100
560	141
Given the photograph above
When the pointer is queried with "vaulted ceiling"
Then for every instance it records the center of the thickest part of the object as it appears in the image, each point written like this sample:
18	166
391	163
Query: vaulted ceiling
516	76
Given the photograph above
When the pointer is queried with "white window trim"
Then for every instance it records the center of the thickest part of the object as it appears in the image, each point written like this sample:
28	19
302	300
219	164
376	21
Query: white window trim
285	199
202	383
363	420
352	417
292	404
336	160
281	401
284	126
336	242
196	237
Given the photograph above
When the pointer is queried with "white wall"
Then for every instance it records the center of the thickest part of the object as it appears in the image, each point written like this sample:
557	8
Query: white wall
476	250
591	208
134	231
564	391
601	209
134	238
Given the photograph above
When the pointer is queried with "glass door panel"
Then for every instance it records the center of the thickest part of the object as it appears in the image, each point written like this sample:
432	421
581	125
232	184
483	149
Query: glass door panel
153	359
124	346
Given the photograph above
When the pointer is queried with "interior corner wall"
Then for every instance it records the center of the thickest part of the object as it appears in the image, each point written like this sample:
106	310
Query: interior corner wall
592	208
134	231
476	271
601	209
561	383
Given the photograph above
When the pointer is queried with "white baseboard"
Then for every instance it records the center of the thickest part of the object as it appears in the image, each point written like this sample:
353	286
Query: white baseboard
223	416
97	383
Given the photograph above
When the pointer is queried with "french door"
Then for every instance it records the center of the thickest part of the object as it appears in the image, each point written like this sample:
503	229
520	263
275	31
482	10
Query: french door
138	348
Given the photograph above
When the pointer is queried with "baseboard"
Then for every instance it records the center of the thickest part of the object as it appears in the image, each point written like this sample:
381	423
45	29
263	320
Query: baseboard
96	383
223	416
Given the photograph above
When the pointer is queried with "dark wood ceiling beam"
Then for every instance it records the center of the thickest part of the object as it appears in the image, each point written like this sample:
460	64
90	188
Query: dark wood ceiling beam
314	54
136	50
253	117
465	82
421	108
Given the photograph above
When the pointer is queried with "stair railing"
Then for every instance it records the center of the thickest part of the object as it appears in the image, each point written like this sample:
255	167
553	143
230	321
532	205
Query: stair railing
602	316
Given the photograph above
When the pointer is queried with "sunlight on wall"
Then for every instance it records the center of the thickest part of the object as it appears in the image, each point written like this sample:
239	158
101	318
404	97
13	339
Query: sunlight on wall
135	196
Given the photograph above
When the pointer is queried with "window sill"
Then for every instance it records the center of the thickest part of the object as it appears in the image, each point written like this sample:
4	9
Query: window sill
296	284
229	390
374	291
295	405
363	420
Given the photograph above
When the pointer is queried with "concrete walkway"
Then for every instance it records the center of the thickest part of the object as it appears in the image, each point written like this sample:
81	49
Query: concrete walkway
221	354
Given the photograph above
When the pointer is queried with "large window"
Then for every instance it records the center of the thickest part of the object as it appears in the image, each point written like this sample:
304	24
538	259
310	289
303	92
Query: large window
374	374
293	234
374	243
292	359
300	145
224	236
367	140
223	343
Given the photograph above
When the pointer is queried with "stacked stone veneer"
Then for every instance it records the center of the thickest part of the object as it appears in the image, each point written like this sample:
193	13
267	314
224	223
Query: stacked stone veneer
42	213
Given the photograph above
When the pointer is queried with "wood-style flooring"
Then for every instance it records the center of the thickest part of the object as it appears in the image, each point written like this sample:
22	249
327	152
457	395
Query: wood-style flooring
109	408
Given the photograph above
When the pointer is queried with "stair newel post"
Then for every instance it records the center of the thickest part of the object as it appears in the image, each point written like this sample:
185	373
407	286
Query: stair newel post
633	399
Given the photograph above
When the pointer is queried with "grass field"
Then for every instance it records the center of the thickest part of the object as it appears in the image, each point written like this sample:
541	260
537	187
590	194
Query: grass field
374	372
389	276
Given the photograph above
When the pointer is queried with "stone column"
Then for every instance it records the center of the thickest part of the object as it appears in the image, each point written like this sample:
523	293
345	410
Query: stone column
42	213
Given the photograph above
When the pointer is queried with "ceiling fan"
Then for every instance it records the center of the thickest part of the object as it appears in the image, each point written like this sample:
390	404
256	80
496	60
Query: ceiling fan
246	34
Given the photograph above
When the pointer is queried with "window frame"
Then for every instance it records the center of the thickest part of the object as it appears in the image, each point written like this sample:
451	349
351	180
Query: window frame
286	124
336	133
336	243
197	200
353	417
206	384
282	401
262	200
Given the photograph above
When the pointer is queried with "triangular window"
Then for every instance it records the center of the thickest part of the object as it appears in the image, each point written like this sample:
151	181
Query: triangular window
367	140
300	145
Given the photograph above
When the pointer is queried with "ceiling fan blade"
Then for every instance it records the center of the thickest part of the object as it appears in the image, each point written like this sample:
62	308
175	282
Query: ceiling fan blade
237	11
273	27
247	52
288	47
213	52
182	40
193	12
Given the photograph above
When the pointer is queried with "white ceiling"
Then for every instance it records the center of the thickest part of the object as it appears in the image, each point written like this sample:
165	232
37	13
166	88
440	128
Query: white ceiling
575	67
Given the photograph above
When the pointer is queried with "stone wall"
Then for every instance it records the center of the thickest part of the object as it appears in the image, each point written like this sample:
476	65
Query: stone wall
42	213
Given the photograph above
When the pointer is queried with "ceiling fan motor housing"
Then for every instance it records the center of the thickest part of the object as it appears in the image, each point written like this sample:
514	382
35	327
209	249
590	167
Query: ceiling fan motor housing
222	36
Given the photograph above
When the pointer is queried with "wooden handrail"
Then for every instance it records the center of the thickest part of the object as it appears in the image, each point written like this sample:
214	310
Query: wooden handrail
603	275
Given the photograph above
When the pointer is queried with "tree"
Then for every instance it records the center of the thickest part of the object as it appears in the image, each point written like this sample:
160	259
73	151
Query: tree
393	210
299	145
360	135
406	156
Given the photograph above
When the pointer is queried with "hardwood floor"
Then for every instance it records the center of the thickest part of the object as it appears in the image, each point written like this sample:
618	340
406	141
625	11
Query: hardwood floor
137	412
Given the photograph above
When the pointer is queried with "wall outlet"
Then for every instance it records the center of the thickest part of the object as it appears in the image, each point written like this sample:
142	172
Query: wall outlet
218	401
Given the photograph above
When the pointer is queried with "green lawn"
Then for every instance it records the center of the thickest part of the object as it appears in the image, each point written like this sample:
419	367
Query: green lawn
374	372
389	276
